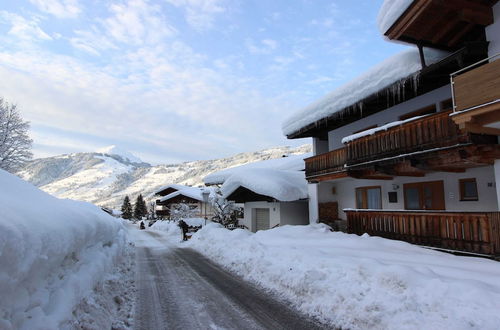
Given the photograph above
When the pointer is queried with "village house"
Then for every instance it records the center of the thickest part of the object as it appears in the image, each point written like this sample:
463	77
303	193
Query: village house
196	198
272	192
401	152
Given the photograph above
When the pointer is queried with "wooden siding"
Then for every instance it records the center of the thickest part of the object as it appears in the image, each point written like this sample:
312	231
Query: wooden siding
433	131
478	86
327	163
477	232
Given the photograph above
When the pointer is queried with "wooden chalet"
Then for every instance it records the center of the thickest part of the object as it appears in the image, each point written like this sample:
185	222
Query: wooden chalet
419	159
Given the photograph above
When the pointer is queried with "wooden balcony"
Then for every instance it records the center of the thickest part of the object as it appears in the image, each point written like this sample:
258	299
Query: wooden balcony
477	232
430	132
329	165
477	99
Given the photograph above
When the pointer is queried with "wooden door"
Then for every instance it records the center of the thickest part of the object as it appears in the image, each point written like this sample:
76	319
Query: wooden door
424	195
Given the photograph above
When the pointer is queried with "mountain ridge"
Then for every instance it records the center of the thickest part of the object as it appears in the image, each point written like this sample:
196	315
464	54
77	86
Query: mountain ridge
104	178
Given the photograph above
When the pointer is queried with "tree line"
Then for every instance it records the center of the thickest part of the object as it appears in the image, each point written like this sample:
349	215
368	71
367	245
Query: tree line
138	211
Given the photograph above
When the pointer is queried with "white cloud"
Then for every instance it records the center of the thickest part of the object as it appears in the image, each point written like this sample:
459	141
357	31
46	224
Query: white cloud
265	46
22	28
137	22
59	8
200	14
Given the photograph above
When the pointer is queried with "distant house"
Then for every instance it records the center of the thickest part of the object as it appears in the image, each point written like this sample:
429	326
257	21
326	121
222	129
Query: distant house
273	192
400	152
177	194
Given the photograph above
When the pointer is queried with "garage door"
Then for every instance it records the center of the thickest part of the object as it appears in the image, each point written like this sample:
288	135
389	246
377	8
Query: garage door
262	219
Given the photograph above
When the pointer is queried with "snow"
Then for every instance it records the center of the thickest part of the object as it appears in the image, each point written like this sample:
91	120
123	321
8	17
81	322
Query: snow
291	163
390	12
173	186
53	253
385	127
117	151
360	282
392	70
281	185
191	192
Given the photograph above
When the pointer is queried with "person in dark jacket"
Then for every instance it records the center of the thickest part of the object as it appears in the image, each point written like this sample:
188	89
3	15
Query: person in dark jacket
142	225
184	228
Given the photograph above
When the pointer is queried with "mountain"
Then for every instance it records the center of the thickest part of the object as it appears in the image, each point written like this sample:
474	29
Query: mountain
104	177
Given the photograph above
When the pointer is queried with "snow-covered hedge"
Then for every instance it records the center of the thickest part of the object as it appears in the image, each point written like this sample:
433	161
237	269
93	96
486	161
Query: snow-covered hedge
363	282
52	254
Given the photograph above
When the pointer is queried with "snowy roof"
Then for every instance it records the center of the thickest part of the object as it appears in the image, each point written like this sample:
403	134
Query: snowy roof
389	13
291	163
390	71
281	185
172	185
385	127
191	192
117	151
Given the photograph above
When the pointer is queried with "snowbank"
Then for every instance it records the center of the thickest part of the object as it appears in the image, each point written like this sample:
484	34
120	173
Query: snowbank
363	282
281	185
393	69
52	254
389	13
289	163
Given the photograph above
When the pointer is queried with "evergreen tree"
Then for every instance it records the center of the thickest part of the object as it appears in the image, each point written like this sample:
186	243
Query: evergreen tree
126	208
140	208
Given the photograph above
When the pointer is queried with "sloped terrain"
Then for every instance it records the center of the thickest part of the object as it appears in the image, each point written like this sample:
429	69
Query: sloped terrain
104	178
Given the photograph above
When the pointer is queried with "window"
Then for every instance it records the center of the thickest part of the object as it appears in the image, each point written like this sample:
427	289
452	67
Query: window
368	198
420	112
424	195
468	189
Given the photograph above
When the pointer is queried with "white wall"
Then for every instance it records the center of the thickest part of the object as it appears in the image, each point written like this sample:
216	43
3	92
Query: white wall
488	201
389	115
493	32
294	213
320	146
249	218
312	189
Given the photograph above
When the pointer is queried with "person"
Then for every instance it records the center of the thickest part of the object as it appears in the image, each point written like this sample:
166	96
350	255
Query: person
184	228
142	225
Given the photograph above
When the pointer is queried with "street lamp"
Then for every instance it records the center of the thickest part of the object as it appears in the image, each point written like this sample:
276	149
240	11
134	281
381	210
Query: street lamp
205	193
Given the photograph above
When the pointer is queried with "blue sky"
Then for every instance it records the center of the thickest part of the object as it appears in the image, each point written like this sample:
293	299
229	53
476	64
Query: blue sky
178	80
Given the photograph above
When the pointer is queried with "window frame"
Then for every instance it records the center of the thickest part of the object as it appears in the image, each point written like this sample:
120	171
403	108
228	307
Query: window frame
364	192
461	184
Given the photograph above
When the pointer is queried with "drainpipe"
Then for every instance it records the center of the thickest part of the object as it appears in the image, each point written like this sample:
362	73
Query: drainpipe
422	57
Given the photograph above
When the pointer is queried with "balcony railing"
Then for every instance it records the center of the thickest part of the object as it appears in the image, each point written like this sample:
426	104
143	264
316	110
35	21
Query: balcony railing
327	163
430	132
475	232
476	85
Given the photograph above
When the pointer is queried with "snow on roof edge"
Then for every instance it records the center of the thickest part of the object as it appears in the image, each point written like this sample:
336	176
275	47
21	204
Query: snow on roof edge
389	13
396	68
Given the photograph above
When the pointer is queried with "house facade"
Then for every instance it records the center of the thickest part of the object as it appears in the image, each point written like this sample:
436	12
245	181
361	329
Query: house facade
175	194
410	149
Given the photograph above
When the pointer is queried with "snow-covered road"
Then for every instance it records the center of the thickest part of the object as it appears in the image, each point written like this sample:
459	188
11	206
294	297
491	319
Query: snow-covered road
178	288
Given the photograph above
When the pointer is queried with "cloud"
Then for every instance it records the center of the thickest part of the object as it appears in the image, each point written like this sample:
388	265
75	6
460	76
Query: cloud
22	28
265	46
59	8
200	14
137	22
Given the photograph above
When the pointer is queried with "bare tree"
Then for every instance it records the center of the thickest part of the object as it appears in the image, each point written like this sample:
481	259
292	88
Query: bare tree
15	144
224	210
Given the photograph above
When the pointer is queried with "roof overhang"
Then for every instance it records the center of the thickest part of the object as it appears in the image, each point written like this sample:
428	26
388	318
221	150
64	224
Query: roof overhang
430	78
443	24
244	195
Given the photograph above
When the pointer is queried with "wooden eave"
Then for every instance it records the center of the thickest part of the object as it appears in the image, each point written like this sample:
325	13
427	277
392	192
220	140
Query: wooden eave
430	78
179	199
244	195
443	24
476	120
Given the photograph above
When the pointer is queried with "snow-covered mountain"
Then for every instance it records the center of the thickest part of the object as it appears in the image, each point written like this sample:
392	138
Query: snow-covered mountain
104	177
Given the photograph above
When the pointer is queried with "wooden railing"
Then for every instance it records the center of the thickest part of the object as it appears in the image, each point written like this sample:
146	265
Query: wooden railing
330	162
477	87
433	131
475	232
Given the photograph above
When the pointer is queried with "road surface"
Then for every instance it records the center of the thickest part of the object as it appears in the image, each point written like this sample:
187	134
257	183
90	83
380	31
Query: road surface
178	288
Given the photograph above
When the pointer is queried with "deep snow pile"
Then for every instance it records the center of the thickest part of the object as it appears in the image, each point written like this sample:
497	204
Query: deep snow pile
389	13
279	184
53	253
396	68
361	282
